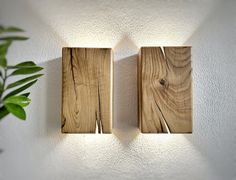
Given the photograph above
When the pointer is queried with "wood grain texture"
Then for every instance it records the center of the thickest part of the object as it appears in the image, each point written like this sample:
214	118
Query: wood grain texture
165	90
87	90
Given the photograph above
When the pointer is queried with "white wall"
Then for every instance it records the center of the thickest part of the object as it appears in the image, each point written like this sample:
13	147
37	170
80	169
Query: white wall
36	149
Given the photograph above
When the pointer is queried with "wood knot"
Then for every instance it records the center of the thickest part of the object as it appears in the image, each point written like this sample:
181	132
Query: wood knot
162	82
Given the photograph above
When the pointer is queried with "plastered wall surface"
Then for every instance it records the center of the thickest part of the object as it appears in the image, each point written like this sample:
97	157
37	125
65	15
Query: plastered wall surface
35	149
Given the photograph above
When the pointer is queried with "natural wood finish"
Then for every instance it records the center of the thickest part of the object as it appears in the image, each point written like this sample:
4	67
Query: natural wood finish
165	90
87	90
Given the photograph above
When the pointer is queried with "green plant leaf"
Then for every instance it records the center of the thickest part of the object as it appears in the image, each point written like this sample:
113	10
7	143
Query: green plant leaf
10	29
13	38
1	87
26	64
4	47
3	52
1	28
19	100
20	89
22	81
16	110
27	70
25	94
3	112
13	29
3	61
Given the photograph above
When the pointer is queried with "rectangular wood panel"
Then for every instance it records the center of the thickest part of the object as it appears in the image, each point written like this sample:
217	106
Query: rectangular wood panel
87	90
165	90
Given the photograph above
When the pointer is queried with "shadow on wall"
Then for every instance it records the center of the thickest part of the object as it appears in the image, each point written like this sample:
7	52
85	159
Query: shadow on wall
52	99
125	99
125	125
53	80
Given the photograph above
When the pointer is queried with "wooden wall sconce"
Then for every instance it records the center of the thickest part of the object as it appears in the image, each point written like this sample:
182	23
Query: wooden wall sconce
164	90
87	90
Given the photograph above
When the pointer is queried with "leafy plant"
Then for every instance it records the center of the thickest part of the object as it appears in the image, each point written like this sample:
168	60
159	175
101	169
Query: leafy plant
12	98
